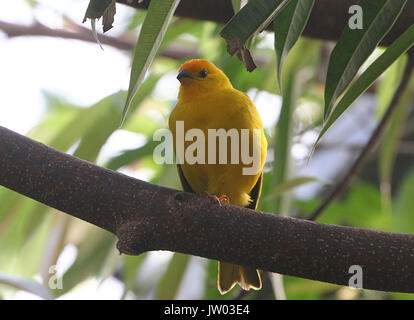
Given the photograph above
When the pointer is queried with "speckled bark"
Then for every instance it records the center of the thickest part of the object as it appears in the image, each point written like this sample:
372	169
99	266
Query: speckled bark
150	217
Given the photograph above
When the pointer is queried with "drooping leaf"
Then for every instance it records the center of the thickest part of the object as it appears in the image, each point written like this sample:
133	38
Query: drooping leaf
390	55
95	33
391	140
403	208
130	156
355	45
284	127
291	184
388	85
23	221
156	22
131	267
249	21
288	26
91	256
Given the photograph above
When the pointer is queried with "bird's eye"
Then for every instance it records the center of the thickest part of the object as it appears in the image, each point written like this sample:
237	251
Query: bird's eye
202	73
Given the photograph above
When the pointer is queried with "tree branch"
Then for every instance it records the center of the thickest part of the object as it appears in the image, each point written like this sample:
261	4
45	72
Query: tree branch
146	217
81	33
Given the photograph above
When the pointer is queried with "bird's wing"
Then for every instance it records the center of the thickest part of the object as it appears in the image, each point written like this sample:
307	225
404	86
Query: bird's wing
184	183
255	193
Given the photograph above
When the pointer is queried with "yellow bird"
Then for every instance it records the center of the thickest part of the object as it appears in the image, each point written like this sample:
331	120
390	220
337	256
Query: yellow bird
207	100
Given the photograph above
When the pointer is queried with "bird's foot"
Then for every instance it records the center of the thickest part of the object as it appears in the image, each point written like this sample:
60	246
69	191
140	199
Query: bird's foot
222	198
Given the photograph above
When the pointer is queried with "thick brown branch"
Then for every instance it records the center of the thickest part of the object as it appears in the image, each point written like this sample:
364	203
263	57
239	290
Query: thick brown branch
150	217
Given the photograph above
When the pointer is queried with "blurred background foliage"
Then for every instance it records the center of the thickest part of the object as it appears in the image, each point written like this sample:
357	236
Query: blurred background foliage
34	237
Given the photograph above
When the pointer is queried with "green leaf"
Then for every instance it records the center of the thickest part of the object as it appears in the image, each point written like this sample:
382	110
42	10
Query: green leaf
90	260
130	156
158	16
236	5
355	45
170	282
249	21
404	203
26	285
391	140
388	85
291	184
288	26
23	221
284	128
390	55
131	267
105	122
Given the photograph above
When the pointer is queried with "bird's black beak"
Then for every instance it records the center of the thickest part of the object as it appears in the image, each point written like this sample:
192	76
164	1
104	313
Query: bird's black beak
184	74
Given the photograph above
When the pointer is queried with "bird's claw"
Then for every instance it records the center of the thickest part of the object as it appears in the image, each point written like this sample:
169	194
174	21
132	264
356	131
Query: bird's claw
218	199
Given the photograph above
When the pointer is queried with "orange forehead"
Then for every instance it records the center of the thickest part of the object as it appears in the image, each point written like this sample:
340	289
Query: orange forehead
196	65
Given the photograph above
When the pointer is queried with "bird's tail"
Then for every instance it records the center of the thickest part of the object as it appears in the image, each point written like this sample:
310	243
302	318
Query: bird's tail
230	274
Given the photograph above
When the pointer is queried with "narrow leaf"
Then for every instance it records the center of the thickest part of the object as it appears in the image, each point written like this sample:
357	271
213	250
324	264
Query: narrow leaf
130	156
131	267
355	45
170	282
291	184
391	140
403	206
95	33
388	85
288	26
390	55
155	25
282	142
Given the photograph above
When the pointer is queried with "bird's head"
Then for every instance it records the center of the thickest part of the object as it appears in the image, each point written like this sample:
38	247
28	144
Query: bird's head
199	76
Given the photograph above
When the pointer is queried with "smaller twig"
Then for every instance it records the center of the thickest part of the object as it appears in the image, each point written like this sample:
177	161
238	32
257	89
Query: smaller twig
372	143
78	32
84	34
